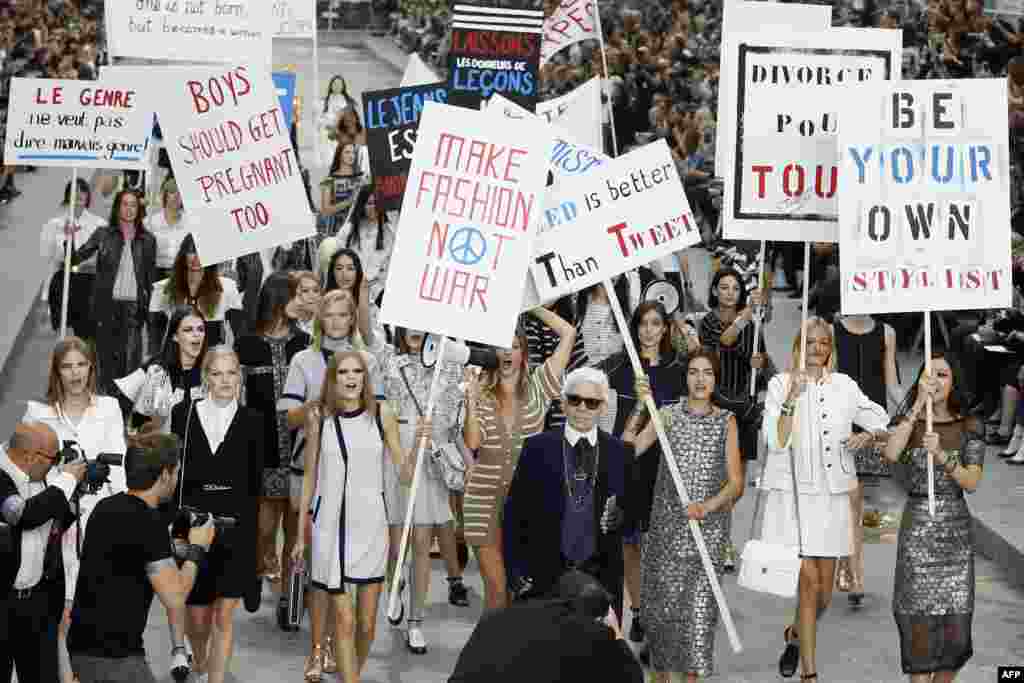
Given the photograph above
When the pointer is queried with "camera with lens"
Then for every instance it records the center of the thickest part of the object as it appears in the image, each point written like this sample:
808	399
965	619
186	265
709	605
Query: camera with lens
190	518
97	471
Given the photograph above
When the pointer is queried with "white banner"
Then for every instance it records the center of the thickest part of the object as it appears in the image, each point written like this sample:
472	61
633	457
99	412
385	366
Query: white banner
233	158
568	157
191	30
749	17
1011	7
293	18
571	22
925	207
625	214
783	180
469	217
87	124
417	73
577	112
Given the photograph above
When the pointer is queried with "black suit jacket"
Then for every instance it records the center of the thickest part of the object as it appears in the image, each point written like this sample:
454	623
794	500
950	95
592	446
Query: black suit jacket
48	505
536	504
109	242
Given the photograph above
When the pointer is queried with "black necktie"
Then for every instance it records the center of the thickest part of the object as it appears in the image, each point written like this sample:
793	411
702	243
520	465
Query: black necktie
584	453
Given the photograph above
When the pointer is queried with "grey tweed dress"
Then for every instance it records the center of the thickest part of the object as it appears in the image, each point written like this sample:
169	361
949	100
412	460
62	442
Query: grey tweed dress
933	596
678	606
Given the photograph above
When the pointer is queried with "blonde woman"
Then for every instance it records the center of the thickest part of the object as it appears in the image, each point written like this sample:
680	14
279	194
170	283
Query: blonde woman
349	436
808	418
168	227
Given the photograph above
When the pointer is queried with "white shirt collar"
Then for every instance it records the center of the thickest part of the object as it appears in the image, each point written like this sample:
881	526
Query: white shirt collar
572	436
216	420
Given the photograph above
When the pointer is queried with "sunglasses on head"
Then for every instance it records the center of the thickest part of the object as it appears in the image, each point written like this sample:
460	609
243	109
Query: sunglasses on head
575	400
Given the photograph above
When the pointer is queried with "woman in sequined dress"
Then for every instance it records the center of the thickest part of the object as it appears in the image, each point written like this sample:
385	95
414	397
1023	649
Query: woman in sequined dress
679	610
933	596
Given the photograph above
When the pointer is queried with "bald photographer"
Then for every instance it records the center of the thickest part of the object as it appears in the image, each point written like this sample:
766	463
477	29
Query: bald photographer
34	511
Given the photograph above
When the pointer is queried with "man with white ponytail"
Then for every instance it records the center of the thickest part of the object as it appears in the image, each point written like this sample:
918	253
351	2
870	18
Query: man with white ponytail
566	504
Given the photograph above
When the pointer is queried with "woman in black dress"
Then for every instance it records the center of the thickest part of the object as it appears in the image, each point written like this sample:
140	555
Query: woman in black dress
666	372
265	356
221	473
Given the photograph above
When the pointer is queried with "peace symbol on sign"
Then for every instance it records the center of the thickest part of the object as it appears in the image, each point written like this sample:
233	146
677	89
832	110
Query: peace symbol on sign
467	246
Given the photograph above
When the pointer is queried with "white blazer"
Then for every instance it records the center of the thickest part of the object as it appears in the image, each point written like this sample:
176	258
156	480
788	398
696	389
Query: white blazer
100	431
825	415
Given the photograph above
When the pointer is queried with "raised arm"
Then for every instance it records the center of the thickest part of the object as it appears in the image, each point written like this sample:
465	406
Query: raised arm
566	337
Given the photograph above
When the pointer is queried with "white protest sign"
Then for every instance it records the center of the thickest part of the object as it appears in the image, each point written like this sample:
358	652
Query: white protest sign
233	158
466	231
293	18
743	17
925	207
783	180
417	73
625	214
53	122
568	157
191	30
578	112
1010	7
571	22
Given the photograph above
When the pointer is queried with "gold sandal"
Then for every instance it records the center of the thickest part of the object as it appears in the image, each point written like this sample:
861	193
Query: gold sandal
314	666
330	661
844	576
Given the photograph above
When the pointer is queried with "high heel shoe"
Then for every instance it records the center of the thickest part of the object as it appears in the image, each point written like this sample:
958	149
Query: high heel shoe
314	671
1016	441
330	661
844	576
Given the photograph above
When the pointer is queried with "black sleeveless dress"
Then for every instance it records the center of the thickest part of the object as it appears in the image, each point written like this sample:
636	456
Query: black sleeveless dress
862	357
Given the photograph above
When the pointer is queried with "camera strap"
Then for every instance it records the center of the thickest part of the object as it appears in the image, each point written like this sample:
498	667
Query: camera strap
184	454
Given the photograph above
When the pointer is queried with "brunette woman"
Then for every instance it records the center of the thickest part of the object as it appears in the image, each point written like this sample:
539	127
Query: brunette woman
125	268
265	356
933	593
350	436
193	285
368	233
303	299
170	377
665	368
345	272
338	190
221	474
503	407
168	228
826	405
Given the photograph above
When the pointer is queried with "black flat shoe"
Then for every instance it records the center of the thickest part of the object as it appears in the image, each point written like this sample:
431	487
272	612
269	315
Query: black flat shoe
809	677
636	629
458	595
790	655
282	617
998	439
856	600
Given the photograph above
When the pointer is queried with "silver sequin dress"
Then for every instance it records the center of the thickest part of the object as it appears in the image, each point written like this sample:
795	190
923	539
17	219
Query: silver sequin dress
678	606
933	597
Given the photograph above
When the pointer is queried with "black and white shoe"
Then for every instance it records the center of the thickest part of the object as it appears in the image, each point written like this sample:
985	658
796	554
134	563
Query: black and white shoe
790	655
397	621
181	665
414	639
458	594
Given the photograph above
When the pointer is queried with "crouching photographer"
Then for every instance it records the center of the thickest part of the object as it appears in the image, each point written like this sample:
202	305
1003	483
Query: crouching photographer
221	477
126	558
34	509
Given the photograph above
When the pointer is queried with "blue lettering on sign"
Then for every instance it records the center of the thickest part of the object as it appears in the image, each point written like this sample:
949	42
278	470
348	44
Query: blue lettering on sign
489	81
941	167
402	109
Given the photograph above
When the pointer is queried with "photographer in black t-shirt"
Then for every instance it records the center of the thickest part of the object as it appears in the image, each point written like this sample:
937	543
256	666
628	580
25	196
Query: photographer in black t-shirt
126	557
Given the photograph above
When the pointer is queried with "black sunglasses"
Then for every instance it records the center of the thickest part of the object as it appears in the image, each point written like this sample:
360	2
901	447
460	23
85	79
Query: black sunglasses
592	403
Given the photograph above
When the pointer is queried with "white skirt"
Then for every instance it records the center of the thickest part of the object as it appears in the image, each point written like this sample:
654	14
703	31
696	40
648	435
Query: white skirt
432	507
825	527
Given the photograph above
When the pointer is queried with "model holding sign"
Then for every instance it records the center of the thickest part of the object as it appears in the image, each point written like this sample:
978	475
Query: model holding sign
503	407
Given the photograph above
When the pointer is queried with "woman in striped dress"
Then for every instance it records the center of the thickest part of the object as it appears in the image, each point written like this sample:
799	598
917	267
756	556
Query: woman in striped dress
504	407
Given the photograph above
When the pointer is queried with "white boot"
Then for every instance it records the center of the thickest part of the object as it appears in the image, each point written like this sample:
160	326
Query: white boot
1016	441
1017	459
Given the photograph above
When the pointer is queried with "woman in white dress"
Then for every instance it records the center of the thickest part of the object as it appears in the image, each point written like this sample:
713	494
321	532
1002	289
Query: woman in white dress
93	424
168	227
368	233
809	417
349	437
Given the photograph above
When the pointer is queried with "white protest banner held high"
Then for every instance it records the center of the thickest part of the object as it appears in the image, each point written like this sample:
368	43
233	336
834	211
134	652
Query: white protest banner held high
469	214
233	158
578	112
53	122
191	30
293	18
1009	7
417	73
623	215
925	208
784	179
745	17
571	22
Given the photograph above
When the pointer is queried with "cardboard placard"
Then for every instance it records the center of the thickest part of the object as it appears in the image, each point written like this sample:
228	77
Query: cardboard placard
293	18
494	50
191	30
468	221
392	117
55	122
784	181
578	112
625	214
417	72
571	22
233	158
925	208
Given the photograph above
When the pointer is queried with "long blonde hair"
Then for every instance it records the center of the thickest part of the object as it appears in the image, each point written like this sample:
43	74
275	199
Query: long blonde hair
811	323
489	379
